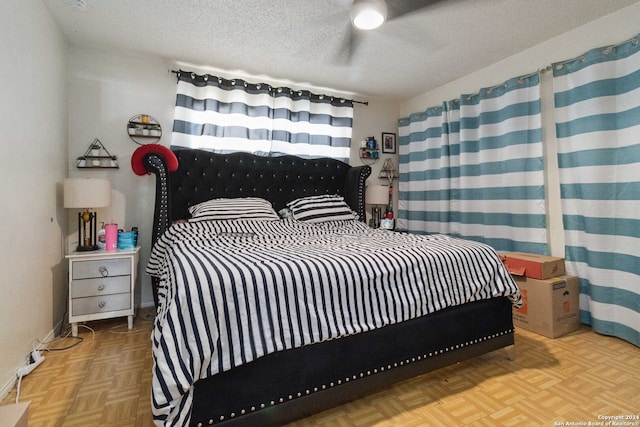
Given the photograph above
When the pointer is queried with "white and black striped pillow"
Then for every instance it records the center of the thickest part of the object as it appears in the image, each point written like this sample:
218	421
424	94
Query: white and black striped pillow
253	208
321	208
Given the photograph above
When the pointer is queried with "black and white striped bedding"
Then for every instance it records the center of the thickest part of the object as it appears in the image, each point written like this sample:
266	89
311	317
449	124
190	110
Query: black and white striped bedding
234	291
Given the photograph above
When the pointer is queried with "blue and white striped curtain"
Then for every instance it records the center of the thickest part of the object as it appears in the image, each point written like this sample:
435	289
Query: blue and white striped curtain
426	141
225	116
473	168
597	107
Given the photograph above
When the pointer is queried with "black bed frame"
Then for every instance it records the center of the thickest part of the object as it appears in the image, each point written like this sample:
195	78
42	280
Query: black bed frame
284	386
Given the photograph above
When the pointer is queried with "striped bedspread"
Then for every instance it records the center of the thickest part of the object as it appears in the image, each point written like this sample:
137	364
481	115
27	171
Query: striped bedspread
234	291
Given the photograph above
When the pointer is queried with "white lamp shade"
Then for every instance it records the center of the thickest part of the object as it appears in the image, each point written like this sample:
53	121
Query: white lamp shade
87	193
376	195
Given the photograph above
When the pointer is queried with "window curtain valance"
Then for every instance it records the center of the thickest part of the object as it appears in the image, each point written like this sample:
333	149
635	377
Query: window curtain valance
231	115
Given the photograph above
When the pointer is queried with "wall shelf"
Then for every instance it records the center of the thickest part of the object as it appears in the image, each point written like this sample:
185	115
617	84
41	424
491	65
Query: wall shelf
369	156
97	157
369	152
388	170
144	129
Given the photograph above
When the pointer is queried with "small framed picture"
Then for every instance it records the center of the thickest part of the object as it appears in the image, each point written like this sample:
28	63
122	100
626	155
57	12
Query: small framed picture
389	143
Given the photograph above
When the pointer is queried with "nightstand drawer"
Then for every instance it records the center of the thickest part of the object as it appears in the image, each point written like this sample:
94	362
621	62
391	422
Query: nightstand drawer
100	304
101	268
101	286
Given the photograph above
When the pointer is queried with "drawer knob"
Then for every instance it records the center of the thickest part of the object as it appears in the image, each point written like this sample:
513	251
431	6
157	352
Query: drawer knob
102	304
101	287
103	271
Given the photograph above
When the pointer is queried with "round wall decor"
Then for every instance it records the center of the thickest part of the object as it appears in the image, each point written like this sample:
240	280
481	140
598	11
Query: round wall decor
144	129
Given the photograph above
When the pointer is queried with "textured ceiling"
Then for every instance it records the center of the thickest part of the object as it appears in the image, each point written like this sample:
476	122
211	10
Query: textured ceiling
303	41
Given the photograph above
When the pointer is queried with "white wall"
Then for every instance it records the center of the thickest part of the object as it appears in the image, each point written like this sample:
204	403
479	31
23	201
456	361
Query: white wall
33	281
372	120
107	89
610	29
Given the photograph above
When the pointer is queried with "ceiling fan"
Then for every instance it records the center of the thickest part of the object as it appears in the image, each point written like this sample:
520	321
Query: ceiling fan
366	15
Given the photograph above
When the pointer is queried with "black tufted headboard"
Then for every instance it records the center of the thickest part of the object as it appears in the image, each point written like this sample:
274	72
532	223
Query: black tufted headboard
203	175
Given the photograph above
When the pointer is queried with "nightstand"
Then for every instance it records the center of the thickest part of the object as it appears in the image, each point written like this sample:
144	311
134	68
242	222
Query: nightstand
102	285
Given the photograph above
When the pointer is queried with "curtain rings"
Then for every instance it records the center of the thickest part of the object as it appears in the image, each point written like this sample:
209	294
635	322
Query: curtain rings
560	65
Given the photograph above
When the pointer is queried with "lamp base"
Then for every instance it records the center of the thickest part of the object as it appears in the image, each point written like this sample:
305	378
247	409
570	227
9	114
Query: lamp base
87	248
87	232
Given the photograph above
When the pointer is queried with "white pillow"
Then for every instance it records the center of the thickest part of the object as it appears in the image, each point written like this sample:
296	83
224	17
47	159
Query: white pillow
253	208
330	207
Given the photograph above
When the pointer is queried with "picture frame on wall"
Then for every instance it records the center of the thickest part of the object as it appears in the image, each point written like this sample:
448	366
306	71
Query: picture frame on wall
388	142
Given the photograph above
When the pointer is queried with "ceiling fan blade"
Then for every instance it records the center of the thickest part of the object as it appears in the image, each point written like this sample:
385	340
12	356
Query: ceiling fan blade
395	9
350	43
399	8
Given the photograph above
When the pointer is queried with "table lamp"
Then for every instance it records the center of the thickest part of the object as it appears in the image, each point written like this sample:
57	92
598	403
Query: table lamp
376	195
87	194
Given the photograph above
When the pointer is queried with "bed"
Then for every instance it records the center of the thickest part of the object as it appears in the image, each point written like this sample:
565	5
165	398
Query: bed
262	321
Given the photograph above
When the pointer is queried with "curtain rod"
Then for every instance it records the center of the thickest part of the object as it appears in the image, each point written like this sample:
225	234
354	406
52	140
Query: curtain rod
606	50
176	72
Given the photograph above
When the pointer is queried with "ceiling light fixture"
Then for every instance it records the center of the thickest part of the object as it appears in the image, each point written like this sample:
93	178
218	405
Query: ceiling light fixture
368	14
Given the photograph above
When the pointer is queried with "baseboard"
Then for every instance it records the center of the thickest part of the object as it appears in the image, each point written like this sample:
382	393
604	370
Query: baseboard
8	386
147	304
11	382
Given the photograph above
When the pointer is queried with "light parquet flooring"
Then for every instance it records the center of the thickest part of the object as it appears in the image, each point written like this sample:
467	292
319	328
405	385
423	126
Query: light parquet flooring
106	380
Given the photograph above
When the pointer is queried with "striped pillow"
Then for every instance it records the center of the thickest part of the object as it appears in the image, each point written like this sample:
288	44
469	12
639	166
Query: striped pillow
321	209
253	208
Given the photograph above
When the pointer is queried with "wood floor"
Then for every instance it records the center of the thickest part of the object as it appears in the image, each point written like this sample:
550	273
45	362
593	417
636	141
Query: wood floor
105	381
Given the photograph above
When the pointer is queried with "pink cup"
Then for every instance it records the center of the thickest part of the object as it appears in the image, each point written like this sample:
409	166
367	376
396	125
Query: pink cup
111	237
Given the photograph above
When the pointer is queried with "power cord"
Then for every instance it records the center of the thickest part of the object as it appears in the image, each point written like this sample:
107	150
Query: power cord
48	344
36	357
18	389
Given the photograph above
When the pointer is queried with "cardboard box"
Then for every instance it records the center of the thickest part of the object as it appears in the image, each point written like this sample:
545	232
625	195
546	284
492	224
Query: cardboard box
550	306
533	265
14	415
